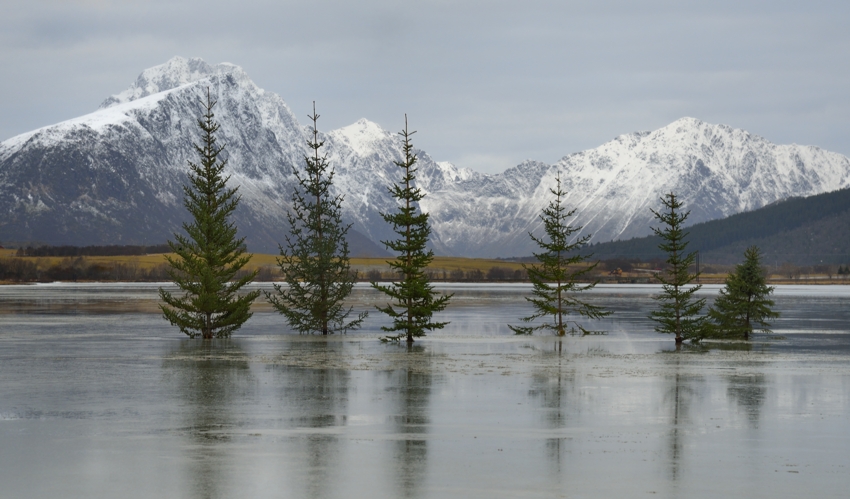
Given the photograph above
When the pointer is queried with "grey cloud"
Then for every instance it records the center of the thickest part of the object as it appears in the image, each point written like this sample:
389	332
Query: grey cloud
479	79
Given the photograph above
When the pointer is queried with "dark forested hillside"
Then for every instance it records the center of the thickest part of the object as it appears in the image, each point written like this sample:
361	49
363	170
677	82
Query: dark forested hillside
803	231
110	250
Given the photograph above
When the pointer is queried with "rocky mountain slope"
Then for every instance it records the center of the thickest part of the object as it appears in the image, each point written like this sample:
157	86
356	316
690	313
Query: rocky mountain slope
115	176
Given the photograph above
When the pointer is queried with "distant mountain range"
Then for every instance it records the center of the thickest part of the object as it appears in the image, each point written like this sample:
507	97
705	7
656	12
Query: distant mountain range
115	176
801	231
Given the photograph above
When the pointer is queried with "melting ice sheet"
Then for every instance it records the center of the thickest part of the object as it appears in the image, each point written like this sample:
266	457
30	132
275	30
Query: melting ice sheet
100	398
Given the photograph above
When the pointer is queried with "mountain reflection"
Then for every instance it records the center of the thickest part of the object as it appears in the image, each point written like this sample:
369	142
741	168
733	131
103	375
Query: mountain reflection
211	377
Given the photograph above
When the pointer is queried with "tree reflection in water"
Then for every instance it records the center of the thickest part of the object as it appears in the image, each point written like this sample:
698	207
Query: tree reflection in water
411	389
679	396
556	390
749	392
317	399
211	377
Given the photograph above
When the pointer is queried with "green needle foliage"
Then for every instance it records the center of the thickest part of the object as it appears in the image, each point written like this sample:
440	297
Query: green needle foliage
555	283
414	298
210	255
744	302
679	310
314	261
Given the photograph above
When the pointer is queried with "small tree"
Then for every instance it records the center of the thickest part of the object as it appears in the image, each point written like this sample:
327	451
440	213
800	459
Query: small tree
208	258
679	310
743	303
555	282
314	261
414	298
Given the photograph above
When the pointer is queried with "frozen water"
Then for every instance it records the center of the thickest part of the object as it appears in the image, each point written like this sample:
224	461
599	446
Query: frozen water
99	397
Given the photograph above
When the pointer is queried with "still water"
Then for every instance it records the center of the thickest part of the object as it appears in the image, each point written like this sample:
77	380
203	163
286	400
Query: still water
100	398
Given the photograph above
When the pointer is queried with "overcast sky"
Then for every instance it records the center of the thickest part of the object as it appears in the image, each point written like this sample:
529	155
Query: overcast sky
487	84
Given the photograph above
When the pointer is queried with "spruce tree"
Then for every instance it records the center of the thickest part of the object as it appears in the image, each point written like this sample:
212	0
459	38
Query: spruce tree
414	300
314	261
744	302
555	279
207	259
679	311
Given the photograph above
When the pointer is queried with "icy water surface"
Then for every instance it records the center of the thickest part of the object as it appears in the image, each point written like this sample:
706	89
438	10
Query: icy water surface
100	398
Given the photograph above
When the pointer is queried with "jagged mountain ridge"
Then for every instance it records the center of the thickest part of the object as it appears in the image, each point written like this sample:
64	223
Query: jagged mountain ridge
116	175
716	170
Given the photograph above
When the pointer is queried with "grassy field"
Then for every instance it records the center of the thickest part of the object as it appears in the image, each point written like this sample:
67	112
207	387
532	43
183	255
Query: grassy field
442	269
264	260
145	261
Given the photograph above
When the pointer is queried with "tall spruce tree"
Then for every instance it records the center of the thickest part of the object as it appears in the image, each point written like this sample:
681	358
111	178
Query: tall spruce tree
208	258
556	278
679	311
314	261
744	302
414	300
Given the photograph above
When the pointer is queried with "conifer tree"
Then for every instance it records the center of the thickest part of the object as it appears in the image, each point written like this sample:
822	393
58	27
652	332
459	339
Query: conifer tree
744	302
314	261
679	311
208	258
555	282
414	300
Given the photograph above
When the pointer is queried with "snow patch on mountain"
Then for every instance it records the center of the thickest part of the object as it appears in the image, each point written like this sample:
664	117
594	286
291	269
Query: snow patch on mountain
175	73
364	137
98	121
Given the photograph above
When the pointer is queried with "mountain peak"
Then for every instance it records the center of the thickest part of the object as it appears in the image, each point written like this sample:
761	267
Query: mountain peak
176	72
687	121
363	136
690	125
699	133
366	126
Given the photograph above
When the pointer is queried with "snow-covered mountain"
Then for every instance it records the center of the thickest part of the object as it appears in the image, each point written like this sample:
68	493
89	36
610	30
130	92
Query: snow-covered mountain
115	176
717	171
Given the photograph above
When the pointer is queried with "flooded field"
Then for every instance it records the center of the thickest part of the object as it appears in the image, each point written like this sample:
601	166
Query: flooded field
101	398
